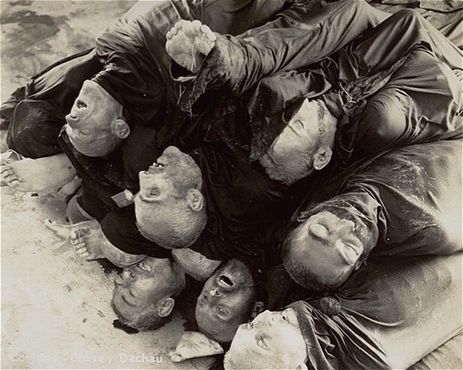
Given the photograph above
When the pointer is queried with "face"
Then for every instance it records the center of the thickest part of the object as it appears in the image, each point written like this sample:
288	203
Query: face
140	285
163	179
161	202
264	342
225	300
292	151
332	246
89	124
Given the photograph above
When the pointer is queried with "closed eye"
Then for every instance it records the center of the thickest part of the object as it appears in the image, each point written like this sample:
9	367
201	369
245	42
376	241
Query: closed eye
223	312
319	231
300	124
262	342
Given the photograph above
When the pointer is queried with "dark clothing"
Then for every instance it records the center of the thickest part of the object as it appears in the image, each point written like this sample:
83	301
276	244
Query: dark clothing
298	37
384	309
410	197
136	73
36	112
241	201
392	86
130	62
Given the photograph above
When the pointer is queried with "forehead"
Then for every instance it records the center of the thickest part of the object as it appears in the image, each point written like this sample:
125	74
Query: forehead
325	216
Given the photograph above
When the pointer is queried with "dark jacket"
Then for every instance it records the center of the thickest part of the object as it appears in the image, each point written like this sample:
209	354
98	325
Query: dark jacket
388	315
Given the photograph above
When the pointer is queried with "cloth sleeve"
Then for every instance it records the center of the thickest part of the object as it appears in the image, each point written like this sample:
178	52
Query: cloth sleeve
296	38
420	295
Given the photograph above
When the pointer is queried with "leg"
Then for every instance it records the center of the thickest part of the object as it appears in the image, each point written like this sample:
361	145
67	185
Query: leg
291	41
419	104
39	175
393	39
90	243
74	212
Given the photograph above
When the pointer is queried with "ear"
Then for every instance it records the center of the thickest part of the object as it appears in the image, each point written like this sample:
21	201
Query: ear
357	265
195	199
165	306
121	129
258	308
301	366
322	157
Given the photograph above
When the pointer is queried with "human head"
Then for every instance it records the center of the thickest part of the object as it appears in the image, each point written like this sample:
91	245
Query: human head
95	125
273	340
326	246
303	146
143	295
227	300
170	208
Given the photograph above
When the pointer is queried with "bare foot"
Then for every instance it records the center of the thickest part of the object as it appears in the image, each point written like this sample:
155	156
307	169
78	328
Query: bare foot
7	157
88	243
38	175
189	43
86	237
3	144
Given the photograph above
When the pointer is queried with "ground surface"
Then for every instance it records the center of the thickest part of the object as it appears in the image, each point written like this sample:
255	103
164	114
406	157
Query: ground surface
55	306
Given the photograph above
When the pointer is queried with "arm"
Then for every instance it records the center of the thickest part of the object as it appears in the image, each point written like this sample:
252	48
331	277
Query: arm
300	36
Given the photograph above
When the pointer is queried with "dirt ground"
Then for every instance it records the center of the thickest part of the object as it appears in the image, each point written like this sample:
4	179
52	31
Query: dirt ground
55	306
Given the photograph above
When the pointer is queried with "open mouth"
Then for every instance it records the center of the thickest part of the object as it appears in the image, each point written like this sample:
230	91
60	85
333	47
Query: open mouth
225	281
143	265
155	166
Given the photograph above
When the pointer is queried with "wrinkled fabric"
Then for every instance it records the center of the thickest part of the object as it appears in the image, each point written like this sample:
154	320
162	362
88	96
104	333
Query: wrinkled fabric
384	308
241	201
447	356
446	6
291	41
387	91
407	198
136	70
35	113
410	196
373	79
129	63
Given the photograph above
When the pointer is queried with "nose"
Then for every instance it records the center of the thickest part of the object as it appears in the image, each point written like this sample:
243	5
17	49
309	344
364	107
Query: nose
126	275
346	226
214	292
264	318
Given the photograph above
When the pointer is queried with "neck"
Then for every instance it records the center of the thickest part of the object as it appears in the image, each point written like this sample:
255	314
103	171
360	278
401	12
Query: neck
180	272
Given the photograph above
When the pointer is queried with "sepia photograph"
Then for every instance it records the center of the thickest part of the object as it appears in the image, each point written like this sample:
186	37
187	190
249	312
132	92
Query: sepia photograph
231	184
